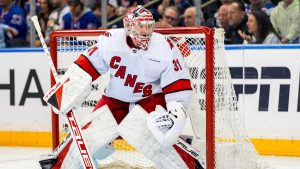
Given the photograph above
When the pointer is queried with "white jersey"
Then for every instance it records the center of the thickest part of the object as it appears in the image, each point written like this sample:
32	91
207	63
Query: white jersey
135	73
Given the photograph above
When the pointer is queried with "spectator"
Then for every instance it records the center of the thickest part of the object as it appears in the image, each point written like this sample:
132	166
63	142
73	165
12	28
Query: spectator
209	12
259	5
170	17
223	22
13	19
130	3
260	29
2	35
182	5
89	3
275	2
43	15
238	21
225	2
97	10
121	11
26	7
5	29
124	3
55	18
136	2
161	8
222	17
79	17
190	16
112	14
285	19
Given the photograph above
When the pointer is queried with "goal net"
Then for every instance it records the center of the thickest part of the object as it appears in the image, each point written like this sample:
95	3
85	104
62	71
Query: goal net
216	126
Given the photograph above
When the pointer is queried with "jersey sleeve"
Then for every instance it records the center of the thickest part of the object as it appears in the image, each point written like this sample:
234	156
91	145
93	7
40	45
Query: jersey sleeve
92	21
66	21
91	60
175	82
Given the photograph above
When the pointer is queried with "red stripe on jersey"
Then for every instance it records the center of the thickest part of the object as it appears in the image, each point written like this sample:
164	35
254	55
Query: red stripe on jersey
179	85
170	43
87	66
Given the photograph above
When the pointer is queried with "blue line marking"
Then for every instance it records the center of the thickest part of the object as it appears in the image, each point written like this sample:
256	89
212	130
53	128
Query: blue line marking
275	46
227	47
17	50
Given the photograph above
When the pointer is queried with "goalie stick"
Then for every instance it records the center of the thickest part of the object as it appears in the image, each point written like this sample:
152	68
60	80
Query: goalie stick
182	144
76	131
90	117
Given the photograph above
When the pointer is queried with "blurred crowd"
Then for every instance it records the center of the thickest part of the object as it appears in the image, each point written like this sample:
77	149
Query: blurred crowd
244	21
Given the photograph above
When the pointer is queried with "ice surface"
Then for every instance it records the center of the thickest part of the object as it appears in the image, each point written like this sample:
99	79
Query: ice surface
24	157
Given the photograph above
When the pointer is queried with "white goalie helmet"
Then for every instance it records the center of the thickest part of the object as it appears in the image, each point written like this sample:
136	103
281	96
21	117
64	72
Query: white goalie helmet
139	25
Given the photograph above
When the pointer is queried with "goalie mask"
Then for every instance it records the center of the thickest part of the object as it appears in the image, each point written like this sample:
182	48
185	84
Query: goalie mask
139	25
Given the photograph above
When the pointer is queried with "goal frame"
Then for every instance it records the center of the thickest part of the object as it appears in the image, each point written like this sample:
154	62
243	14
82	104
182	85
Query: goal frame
209	68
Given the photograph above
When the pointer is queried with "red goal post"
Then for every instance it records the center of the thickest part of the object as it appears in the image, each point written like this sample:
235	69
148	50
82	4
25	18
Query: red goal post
202	43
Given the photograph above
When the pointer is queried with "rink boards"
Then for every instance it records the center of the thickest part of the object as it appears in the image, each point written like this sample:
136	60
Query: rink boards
266	78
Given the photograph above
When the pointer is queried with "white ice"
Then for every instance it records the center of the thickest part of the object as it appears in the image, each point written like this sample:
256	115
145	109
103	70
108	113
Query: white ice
22	157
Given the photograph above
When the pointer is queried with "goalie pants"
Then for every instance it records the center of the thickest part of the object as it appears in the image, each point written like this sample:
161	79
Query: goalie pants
119	110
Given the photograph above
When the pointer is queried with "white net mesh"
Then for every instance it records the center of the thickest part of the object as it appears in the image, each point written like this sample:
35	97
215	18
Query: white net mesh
233	149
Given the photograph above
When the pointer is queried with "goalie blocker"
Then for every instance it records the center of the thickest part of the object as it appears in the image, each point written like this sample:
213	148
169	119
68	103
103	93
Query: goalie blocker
70	91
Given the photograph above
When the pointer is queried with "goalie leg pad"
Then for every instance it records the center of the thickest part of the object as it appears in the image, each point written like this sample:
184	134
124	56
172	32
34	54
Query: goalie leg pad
134	130
46	161
98	137
70	91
